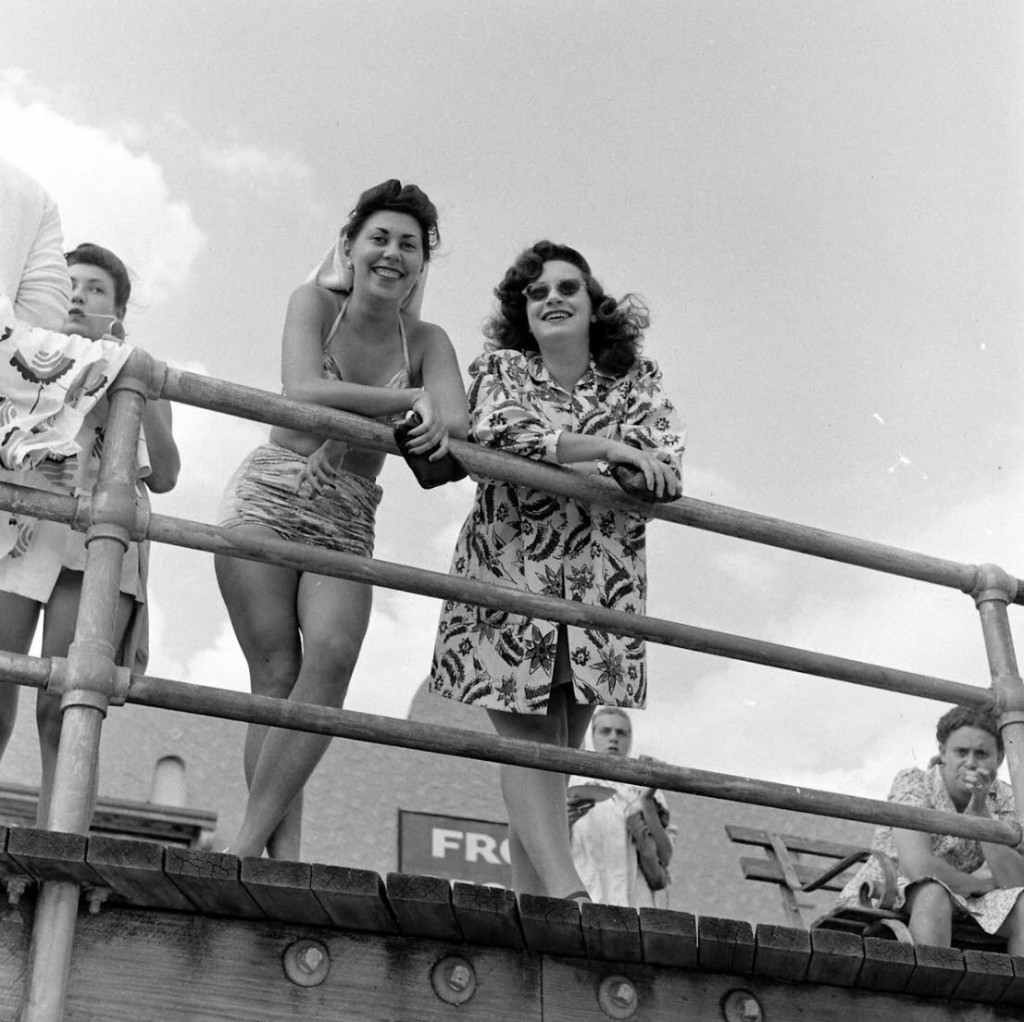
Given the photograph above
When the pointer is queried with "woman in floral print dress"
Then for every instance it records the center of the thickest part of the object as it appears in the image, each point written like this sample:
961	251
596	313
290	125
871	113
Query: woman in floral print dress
562	382
941	876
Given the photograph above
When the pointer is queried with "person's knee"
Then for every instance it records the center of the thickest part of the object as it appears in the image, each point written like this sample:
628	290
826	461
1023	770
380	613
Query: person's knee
931	901
333	652
273	672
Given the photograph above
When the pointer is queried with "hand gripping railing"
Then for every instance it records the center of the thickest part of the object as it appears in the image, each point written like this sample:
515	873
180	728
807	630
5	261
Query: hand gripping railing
88	680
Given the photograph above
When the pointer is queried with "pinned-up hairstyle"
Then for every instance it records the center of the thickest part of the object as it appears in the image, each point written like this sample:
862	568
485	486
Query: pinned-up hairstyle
615	335
96	255
392	195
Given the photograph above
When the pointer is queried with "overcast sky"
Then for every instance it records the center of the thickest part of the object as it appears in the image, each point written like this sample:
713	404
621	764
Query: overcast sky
821	202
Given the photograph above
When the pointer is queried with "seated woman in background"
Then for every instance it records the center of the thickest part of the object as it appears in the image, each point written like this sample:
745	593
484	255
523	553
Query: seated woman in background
942	877
563	382
352	340
620	835
44	570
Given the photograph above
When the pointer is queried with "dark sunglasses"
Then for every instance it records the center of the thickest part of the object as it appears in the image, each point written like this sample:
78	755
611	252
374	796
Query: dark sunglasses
537	292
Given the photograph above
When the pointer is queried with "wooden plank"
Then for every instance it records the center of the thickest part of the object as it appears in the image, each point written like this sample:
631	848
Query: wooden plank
422	906
986	975
782	952
668	938
551	926
794	842
771	872
1014	992
52	855
888	965
487	915
836	958
611	932
937	971
134	870
132	966
210	880
9	866
281	889
353	898
725	945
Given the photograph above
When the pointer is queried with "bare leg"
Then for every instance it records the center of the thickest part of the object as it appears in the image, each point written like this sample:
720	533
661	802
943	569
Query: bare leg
931	914
1013	929
18	618
333	616
59	623
539	843
261	603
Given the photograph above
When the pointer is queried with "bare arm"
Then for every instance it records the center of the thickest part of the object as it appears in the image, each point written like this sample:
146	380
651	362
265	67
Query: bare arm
443	381
308	318
1005	863
917	860
165	461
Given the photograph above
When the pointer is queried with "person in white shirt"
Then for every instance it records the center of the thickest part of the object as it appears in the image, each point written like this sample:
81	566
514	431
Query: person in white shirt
34	275
621	840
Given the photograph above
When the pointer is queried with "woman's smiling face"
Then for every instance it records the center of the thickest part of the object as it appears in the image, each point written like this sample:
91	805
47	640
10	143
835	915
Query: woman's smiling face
560	318
387	254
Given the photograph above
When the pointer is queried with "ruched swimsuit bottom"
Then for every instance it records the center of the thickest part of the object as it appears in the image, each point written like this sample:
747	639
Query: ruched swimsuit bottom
264	491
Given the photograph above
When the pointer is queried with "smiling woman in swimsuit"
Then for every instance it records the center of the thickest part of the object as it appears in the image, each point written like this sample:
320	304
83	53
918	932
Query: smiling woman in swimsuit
352	340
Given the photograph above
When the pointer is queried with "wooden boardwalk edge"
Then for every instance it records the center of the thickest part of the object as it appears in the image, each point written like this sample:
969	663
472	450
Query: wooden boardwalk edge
147	878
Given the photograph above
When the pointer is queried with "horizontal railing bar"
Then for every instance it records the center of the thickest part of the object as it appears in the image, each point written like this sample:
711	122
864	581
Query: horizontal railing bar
363	727
199	536
250	403
25	500
164	693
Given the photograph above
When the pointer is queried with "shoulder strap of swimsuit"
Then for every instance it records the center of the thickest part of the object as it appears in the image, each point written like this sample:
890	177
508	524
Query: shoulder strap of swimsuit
335	325
405	343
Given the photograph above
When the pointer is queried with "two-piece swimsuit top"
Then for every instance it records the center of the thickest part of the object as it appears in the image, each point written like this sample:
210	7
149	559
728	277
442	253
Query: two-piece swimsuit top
400	381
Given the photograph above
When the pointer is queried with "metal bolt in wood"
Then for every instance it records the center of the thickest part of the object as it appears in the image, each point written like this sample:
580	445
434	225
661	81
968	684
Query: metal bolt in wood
617	997
307	962
453	979
741	1006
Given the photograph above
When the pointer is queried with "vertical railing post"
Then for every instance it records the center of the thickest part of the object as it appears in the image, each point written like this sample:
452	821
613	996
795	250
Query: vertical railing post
994	589
86	681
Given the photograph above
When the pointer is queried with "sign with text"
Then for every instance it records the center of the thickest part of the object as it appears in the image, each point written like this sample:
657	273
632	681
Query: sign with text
454	848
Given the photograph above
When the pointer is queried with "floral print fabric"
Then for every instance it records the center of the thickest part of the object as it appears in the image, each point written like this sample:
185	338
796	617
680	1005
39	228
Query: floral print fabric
927	789
547	544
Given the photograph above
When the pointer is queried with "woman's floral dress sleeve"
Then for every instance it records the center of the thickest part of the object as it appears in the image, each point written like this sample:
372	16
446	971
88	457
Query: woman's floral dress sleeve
650	420
500	411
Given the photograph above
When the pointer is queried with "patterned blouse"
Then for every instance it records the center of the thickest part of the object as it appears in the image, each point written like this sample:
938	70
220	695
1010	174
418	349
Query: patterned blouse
550	545
927	789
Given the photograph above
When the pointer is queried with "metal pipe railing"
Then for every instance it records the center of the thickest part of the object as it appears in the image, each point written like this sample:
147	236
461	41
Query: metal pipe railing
185	697
87	679
200	536
249	403
87	685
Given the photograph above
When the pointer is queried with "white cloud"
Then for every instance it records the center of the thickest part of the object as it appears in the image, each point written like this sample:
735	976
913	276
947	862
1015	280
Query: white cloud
106	193
266	171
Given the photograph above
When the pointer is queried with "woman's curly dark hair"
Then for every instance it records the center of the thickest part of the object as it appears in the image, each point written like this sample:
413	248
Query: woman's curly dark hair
615	335
393	195
969	716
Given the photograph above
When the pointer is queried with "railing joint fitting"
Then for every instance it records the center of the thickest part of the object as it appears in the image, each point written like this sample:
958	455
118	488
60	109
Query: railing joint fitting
142	374
993	583
88	676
